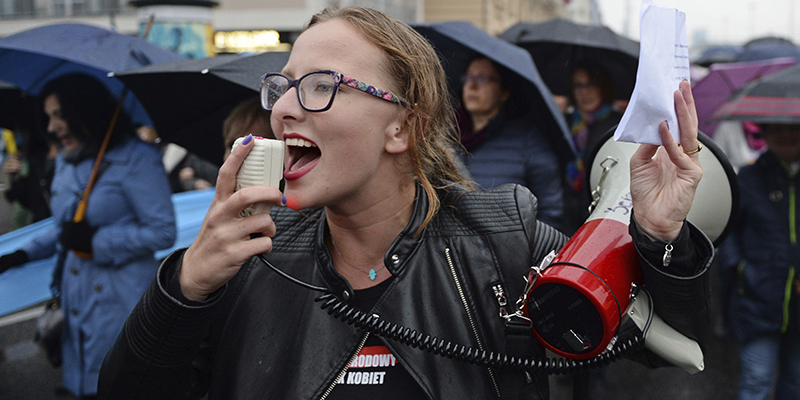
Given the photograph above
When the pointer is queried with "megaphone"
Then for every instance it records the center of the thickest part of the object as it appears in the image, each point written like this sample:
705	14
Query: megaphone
577	299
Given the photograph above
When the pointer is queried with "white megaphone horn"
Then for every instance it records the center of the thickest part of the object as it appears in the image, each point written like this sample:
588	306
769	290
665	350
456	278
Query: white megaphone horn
579	299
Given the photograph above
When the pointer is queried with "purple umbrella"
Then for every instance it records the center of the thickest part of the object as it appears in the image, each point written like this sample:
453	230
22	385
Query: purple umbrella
773	99
723	80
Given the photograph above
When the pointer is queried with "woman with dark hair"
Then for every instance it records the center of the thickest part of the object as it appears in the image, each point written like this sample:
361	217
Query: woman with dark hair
107	259
502	145
247	117
589	115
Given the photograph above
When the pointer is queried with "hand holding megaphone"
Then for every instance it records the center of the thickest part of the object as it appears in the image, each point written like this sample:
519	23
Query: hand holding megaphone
663	187
224	242
577	299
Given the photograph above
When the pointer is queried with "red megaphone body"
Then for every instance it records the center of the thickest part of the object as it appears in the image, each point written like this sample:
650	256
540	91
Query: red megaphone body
577	301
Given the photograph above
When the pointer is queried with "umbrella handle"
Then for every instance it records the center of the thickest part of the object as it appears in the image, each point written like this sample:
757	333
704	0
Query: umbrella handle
80	211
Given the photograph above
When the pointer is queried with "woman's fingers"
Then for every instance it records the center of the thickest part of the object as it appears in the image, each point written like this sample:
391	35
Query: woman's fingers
226	179
687	117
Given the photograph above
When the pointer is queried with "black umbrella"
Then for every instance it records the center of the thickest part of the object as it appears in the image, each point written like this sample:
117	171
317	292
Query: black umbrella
772	99
10	99
767	48
459	42
558	45
188	100
718	54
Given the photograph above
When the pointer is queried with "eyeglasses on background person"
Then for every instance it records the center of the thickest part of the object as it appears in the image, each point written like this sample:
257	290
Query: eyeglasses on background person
315	90
478	80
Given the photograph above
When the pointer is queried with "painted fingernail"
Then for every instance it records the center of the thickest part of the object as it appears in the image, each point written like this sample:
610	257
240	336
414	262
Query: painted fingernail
247	139
283	198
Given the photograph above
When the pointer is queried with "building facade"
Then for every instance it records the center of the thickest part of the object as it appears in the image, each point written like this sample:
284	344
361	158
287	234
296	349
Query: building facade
246	21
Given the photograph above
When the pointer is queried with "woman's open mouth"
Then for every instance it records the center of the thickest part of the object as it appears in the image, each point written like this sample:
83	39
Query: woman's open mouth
303	157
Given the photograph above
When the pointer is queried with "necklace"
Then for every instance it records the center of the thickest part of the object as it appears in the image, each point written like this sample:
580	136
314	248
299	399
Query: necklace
373	273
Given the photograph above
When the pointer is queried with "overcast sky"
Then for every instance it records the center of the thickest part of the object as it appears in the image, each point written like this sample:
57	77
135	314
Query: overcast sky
718	21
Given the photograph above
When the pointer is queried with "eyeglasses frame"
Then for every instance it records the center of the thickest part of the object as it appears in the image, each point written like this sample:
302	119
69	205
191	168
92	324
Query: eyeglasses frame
478	80
338	79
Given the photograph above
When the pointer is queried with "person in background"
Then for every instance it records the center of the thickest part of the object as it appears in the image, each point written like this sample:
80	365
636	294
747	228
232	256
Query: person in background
590	114
106	260
740	141
759	261
246	118
502	146
375	214
186	171
26	175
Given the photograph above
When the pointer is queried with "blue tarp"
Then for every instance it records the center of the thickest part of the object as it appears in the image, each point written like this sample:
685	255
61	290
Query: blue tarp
30	284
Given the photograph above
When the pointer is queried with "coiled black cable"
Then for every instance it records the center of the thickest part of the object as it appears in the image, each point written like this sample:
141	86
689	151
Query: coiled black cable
410	337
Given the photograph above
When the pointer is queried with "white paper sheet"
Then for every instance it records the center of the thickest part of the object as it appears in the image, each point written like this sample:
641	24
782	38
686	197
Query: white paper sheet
663	64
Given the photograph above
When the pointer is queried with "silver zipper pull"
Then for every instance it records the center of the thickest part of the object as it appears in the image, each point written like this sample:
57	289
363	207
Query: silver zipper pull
667	254
501	299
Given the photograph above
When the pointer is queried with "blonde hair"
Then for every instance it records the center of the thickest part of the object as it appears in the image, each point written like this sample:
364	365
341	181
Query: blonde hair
414	68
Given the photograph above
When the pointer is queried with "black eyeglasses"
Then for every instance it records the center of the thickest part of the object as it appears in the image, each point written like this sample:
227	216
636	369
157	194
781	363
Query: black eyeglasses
315	90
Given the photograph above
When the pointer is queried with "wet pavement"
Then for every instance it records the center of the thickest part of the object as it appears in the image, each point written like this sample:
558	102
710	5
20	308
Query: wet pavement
25	373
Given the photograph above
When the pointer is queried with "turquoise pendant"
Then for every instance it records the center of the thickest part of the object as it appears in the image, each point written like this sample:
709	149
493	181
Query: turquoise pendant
372	274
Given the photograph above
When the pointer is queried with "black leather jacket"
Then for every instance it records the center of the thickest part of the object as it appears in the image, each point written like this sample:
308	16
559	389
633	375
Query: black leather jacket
265	338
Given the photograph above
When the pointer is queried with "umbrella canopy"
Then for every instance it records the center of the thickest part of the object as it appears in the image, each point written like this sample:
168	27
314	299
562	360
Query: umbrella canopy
459	42
768	48
771	99
723	80
10	99
31	58
557	45
188	100
718	54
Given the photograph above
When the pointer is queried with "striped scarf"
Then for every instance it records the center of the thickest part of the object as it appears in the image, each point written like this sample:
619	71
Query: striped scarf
581	122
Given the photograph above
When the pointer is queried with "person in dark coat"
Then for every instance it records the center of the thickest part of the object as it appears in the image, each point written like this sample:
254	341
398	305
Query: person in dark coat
502	145
760	260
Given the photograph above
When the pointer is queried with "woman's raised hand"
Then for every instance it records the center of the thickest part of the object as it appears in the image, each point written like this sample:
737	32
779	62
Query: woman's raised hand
224	242
663	187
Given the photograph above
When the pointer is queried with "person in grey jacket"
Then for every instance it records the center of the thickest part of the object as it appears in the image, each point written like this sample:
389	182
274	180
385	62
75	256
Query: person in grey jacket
376	217
107	259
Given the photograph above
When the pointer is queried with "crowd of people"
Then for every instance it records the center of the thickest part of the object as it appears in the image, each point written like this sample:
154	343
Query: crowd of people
395	201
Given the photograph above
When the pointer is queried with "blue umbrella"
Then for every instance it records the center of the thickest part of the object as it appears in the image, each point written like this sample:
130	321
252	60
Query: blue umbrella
31	58
458	42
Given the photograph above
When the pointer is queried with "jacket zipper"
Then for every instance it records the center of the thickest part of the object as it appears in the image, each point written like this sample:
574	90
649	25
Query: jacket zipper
469	314
344	370
787	296
501	299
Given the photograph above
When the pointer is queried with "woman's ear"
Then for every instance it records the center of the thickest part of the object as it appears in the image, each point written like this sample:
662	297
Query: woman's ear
398	133
506	94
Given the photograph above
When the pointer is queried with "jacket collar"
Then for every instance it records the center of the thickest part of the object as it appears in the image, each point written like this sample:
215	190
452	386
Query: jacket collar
395	258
